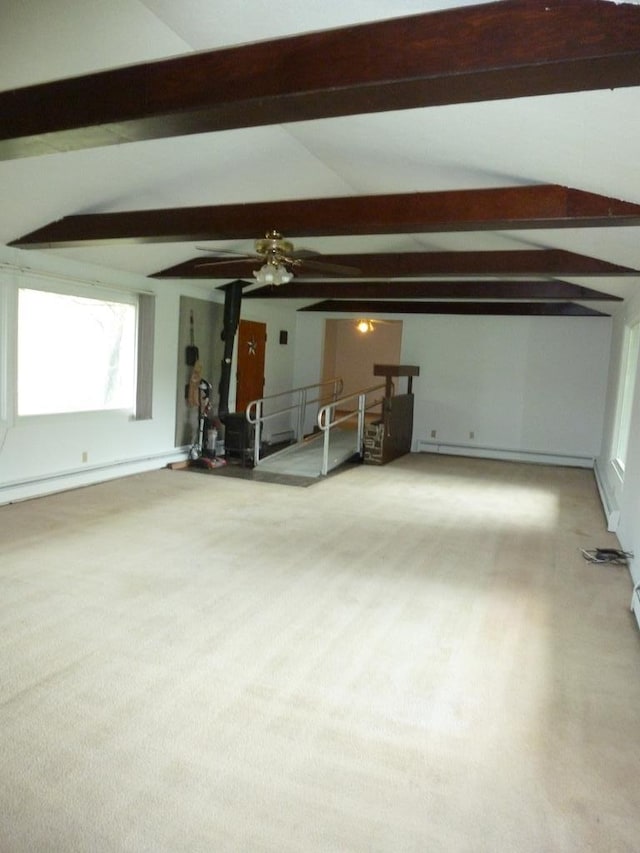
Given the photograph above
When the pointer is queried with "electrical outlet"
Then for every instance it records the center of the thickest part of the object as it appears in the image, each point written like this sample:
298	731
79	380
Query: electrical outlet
85	456
433	433
472	434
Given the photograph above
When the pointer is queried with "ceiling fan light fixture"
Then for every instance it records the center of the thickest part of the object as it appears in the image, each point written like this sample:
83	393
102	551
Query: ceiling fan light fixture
272	273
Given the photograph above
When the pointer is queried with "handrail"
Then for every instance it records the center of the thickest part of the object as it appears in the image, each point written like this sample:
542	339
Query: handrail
360	410
333	404
337	382
254	411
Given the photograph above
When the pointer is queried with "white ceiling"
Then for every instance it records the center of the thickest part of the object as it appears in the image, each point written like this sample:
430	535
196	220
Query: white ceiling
589	141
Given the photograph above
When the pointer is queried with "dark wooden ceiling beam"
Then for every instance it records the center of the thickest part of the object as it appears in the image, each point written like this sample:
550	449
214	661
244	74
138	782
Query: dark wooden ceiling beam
450	289
522	262
541	309
495	209
506	49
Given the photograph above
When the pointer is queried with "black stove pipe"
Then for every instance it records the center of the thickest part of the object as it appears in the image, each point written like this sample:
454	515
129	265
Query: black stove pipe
232	304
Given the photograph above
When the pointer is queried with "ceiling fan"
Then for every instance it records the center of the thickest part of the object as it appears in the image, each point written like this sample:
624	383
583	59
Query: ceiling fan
278	260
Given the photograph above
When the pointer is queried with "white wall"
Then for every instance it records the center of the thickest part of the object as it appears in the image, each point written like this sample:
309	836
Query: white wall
527	387
524	386
621	496
44	454
279	359
309	356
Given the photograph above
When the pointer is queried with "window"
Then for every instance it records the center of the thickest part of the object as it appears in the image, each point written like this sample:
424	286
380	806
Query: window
75	353
6	340
628	370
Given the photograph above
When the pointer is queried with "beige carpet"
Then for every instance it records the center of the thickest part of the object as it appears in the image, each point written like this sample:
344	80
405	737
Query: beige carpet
408	658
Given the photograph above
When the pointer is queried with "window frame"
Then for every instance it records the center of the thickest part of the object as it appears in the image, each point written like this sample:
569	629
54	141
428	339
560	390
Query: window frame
627	386
88	291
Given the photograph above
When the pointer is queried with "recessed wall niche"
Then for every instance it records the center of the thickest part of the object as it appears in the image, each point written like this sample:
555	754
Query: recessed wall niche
207	327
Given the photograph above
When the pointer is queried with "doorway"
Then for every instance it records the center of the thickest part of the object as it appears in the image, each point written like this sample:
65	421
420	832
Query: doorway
252	341
351	354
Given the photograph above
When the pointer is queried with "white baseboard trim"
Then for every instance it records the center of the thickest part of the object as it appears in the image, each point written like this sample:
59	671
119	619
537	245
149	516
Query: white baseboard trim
425	446
86	476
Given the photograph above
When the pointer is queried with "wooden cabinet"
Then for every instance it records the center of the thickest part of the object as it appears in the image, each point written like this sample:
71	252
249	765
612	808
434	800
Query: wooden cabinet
391	436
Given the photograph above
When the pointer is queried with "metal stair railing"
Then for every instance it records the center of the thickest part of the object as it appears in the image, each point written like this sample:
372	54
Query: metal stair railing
255	411
327	420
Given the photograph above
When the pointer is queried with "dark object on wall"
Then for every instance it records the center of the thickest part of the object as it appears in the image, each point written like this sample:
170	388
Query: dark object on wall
284	337
192	352
232	304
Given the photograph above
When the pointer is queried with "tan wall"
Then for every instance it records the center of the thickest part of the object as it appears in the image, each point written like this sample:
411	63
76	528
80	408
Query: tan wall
350	354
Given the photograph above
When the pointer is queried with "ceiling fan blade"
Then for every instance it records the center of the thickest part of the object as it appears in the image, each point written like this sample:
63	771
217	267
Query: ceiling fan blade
242	259
303	254
321	266
223	253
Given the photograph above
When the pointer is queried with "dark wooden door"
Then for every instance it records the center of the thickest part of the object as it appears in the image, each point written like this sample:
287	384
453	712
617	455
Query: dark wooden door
252	341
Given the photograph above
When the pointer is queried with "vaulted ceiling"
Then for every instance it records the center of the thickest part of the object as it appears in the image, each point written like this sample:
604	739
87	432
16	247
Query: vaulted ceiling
456	157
